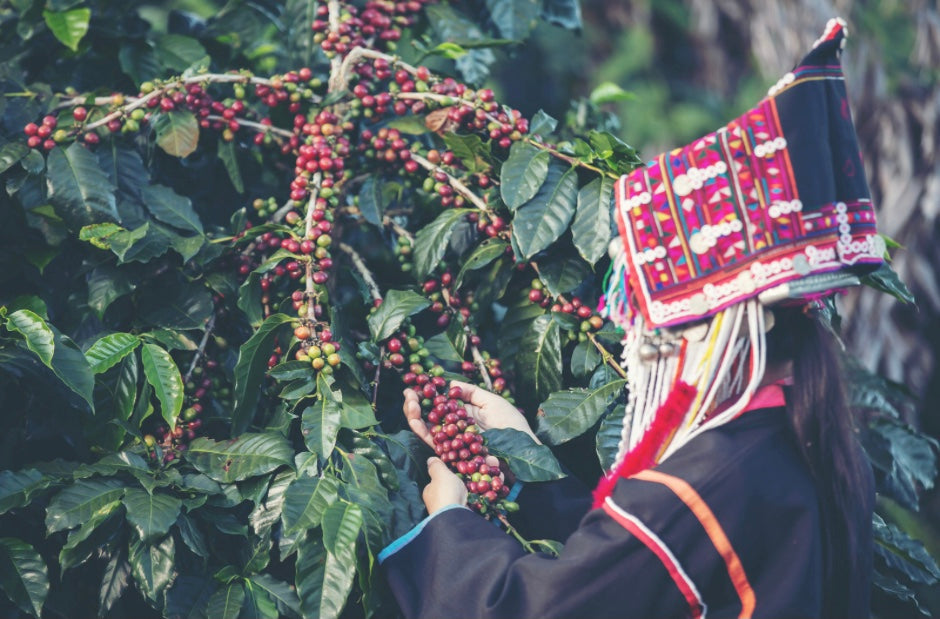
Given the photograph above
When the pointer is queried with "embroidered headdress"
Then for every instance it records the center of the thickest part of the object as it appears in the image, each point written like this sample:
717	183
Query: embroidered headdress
772	206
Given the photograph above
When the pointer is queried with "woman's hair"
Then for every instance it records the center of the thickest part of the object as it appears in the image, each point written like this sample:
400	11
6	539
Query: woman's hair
823	427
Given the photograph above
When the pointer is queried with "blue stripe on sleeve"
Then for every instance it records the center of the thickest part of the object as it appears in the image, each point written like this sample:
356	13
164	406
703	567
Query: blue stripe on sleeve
403	541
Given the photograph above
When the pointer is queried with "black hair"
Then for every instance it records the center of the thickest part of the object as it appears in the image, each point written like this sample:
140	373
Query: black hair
824	431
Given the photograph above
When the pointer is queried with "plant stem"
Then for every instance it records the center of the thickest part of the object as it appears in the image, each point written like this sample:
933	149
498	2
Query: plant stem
363	270
311	294
210	325
253	125
474	351
458	186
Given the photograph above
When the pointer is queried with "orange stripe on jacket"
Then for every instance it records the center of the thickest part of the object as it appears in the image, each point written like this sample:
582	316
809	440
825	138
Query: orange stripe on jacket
712	527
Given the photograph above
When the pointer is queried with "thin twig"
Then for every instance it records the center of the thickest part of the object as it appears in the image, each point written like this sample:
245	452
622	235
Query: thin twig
314	187
474	351
359	53
253	125
210	325
363	270
378	375
458	186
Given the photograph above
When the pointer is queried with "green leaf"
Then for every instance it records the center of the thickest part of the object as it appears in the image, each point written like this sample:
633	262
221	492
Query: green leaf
151	514
249	371
448	50
542	124
189	596
175	305
306	500
288	604
523	173
179	52
125	170
109	350
608	92
488	251
152	566
192	536
80	501
357	411
171	208
372	202
69	27
39	337
528	460
23	575
469	149
617	155
907	458
114	581
323	580
341	524
903	553
93	536
229	159
541	220
591	227
564	13
887	280
177	132
237	460
453	26
106	284
320	423
607	439
226	603
17	488
584	358
431	240
443	349
539	360
11	153
79	190
397	305
514	18
164	377
567	414
562	272
519	317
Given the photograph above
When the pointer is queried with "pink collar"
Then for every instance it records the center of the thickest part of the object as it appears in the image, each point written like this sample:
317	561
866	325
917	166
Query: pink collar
769	396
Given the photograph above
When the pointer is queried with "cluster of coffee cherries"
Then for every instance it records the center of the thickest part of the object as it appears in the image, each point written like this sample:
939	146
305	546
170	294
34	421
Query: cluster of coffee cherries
207	381
406	349
588	320
387	145
459	443
323	152
378	24
316	346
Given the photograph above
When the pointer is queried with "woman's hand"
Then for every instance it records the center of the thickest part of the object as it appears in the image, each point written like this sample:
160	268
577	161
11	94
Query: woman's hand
487	409
444	489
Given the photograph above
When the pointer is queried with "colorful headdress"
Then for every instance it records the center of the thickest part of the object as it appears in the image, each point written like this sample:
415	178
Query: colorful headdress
772	206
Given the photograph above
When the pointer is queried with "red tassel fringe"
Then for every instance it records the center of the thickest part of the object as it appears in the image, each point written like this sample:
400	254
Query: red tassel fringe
643	456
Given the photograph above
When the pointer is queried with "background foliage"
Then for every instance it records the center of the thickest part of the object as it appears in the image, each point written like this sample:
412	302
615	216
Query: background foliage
135	299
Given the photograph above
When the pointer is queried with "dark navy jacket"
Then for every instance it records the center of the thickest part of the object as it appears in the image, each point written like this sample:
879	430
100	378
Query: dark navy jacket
729	526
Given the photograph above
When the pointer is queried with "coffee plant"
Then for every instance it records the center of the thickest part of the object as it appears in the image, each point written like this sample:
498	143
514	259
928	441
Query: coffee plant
230	243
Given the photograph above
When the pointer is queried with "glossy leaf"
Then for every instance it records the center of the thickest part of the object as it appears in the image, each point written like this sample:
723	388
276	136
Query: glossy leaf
523	172
484	254
591	228
177	132
305	501
372	201
109	350
567	414
39	337
226	602
431	240
397	305
94	535
11	153
513	18
563	272
607	439
887	280
268	511
564	13
151	514
539	360
172	208
79	502
79	190
116	576
284	597
69	27
528	460
249	371
175	306
515	325
323	580
341	524
903	553
542	124
23	575
469	149
584	359
192	536
237	460
164	377
541	220
152	565
18	487
320	422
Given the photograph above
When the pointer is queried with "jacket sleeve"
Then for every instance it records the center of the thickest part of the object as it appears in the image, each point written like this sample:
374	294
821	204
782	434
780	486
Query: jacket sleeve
460	565
566	499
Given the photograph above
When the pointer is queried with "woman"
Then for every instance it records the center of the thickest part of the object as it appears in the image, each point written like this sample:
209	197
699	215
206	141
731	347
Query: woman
738	489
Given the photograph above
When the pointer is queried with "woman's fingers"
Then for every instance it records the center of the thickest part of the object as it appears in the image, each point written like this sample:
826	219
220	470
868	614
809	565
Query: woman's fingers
412	410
